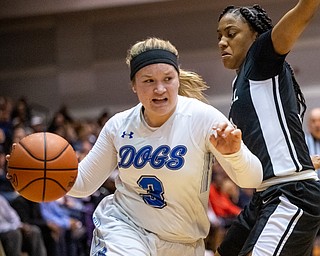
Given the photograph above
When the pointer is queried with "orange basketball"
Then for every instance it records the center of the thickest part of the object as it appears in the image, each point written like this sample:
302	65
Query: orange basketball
42	167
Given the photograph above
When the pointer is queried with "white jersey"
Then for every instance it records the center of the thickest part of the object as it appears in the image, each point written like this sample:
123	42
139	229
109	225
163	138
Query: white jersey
164	172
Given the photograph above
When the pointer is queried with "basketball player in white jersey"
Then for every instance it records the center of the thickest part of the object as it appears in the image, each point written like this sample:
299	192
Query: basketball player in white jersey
164	148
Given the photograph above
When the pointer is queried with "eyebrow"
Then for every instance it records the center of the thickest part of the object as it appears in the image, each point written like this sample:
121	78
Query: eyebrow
227	27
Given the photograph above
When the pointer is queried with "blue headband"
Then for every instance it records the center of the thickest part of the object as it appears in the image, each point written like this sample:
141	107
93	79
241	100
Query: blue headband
152	57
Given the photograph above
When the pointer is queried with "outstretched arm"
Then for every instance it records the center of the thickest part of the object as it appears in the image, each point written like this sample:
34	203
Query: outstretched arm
287	31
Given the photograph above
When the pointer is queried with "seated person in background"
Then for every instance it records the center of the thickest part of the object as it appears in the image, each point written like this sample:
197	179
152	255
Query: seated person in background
223	196
223	206
16	236
10	233
6	189
313	137
29	212
69	228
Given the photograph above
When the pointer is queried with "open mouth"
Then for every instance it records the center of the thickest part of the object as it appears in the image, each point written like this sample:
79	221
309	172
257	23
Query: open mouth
160	100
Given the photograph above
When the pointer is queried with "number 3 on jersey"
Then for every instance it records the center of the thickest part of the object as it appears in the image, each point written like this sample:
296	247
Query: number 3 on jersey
153	186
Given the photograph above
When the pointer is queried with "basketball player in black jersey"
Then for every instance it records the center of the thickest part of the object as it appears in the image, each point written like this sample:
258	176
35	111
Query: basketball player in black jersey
283	216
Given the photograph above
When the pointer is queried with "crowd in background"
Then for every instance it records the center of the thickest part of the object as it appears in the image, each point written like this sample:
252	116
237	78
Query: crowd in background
64	227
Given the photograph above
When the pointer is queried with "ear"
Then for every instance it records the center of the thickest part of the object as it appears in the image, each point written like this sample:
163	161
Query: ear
133	89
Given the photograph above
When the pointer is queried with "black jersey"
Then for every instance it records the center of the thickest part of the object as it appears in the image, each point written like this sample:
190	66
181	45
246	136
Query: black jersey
264	107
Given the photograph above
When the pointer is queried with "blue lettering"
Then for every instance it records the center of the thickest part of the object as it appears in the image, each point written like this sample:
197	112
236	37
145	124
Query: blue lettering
162	156
177	160
142	157
126	154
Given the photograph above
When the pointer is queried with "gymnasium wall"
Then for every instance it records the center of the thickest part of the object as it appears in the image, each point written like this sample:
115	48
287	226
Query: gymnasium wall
77	57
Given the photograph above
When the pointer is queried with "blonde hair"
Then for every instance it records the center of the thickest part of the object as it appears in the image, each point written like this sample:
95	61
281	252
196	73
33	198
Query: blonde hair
192	85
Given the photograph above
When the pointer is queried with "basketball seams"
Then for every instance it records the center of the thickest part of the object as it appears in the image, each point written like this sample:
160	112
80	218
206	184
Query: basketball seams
42	167
45	166
37	158
38	179
42	160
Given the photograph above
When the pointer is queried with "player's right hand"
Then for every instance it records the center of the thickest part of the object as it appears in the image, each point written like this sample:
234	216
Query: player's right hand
226	139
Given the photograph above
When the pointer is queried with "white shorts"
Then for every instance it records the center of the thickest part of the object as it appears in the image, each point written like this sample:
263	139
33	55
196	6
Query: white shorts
116	235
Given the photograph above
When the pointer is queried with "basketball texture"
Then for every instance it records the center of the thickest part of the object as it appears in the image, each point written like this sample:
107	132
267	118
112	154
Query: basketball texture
42	167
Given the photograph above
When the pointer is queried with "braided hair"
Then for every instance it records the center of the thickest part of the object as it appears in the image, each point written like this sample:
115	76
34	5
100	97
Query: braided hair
258	20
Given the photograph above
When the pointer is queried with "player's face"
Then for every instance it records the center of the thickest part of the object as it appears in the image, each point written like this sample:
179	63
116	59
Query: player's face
234	40
157	87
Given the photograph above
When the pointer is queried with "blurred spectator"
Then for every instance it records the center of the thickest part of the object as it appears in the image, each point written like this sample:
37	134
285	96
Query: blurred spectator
37	124
17	236
83	149
57	124
29	212
226	200
85	139
223	196
6	189
10	233
103	118
21	113
16	122
65	112
18	134
313	142
245	196
6	126
60	122
313	133
71	232
2	138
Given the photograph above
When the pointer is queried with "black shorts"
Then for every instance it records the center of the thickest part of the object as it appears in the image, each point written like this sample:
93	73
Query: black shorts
282	220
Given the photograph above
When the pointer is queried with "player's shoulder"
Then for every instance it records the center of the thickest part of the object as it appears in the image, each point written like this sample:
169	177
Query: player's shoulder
191	106
122	117
191	103
201	113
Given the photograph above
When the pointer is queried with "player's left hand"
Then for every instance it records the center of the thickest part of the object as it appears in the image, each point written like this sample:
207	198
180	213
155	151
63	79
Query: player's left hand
226	138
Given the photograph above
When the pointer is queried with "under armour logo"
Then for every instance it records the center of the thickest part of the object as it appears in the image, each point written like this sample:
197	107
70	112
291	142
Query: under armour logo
130	134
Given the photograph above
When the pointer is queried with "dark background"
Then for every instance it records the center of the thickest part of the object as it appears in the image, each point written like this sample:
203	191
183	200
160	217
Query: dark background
73	52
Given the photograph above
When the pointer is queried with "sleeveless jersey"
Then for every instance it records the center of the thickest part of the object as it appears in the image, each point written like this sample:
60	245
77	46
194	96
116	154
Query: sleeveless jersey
264	107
